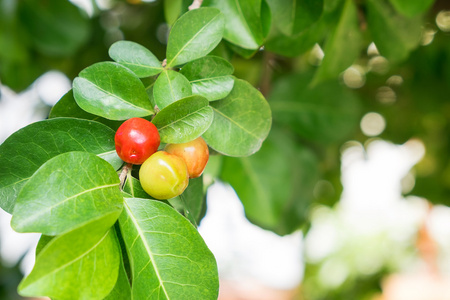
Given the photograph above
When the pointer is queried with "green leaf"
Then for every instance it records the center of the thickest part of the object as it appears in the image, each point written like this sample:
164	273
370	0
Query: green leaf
169	258
303	41
411	8
343	46
278	199
68	191
112	91
122	289
133	187
135	57
243	25
56	28
43	241
394	35
326	112
192	202
293	16
81	264
194	35
30	147
241	121
210	77
184	120
170	86
68	107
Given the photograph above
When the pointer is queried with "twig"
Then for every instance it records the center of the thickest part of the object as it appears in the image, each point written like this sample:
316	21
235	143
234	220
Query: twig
195	4
124	173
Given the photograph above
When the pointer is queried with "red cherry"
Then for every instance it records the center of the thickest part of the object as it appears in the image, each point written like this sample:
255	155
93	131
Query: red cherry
136	140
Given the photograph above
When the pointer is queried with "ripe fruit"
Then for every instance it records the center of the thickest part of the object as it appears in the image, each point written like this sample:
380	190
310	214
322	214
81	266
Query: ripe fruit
195	154
136	139
164	175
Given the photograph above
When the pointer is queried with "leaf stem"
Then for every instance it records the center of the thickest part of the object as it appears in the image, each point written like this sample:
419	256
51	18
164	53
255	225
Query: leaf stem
124	173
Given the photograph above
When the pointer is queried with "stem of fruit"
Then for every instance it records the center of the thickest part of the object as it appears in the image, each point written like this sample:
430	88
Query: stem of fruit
123	175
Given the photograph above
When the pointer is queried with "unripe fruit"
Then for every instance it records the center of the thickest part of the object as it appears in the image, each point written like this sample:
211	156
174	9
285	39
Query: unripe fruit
194	153
136	139
164	175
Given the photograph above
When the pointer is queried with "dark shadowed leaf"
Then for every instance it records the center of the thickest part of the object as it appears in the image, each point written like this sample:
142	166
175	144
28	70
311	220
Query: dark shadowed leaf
327	112
343	45
191	203
277	199
394	35
293	16
411	8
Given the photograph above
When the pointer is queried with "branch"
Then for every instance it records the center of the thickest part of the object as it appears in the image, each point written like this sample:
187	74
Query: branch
124	173
195	4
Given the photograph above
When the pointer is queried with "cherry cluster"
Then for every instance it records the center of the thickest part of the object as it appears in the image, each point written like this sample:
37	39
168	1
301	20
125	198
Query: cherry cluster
164	174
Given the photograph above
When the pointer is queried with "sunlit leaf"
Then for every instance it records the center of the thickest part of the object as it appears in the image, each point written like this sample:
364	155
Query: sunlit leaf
242	121
68	107
169	259
170	86
411	8
194	35
210	76
109	90
184	120
68	191
30	147
135	57
81	264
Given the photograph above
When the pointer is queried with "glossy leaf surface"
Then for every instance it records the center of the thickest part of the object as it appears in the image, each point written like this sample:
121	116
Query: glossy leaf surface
184	120
30	147
67	107
242	121
170	86
88	256
169	259
210	76
242	21
111	91
135	57
68	191
194	35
